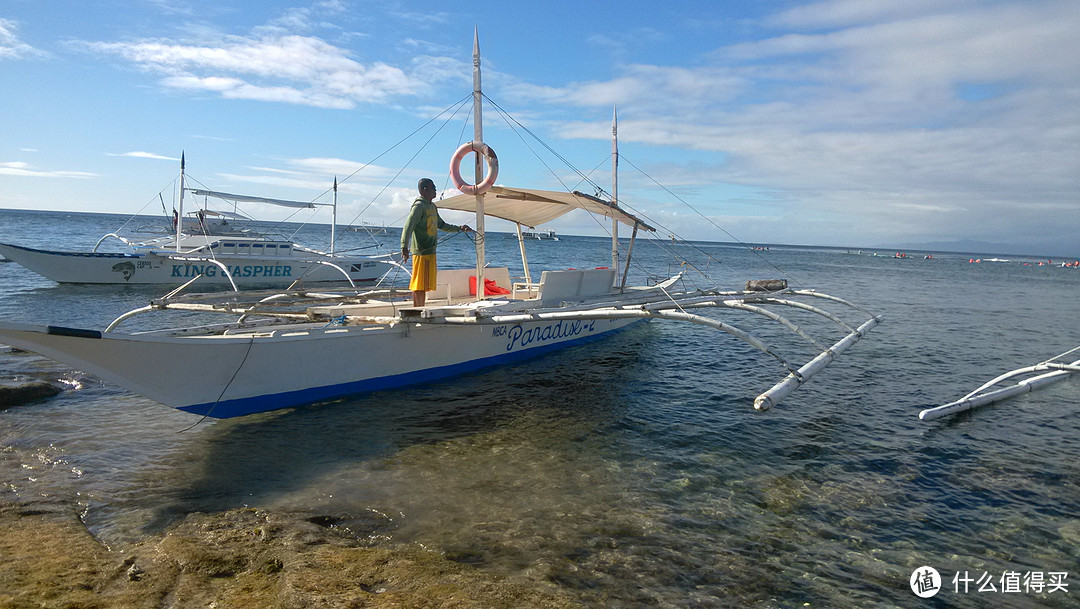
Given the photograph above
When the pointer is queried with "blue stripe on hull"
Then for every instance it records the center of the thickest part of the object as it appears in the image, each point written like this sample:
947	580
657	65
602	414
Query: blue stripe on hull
264	403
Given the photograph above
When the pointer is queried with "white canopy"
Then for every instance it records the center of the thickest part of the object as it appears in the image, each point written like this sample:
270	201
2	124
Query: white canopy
250	199
534	207
215	212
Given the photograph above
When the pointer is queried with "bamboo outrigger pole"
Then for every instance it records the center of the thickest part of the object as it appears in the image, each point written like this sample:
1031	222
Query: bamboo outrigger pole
1058	371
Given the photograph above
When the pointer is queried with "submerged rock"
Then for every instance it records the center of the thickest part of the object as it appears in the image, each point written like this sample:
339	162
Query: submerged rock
239	559
13	395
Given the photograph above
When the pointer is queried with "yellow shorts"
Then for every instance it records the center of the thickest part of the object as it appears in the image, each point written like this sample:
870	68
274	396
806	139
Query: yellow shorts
423	273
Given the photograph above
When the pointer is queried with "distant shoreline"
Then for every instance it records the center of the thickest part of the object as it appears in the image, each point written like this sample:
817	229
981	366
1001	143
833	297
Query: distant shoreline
969	249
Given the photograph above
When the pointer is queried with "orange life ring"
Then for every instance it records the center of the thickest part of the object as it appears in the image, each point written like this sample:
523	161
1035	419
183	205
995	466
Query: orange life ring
492	163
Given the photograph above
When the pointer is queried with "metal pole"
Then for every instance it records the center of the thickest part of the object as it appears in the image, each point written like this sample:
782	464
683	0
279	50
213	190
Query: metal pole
333	220
629	253
614	188
478	136
180	213
524	259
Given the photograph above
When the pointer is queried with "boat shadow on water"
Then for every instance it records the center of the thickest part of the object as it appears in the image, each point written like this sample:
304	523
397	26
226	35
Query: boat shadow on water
338	456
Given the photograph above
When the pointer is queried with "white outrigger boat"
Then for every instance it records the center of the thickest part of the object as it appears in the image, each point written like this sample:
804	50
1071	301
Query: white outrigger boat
540	235
295	348
212	253
1030	378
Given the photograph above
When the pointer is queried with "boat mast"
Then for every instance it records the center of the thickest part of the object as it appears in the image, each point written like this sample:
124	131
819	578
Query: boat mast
180	213
333	219
614	188
478	136
615	202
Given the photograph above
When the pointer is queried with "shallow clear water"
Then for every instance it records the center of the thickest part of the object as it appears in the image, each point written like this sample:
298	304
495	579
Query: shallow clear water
630	472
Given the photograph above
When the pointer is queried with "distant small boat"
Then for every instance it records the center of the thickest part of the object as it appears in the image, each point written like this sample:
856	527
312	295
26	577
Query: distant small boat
372	229
539	234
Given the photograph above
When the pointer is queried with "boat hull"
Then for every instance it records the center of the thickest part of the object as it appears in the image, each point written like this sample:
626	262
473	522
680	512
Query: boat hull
229	376
163	269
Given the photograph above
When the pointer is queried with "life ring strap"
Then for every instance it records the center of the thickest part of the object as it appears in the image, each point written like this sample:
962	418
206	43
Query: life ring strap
455	168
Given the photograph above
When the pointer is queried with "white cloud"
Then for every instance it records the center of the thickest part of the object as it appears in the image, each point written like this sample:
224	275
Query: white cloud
284	68
342	168
173	7
423	20
933	117
22	169
918	118
845	13
138	154
11	47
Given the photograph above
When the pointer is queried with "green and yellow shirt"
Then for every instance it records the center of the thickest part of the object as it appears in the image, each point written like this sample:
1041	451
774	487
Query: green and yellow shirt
421	232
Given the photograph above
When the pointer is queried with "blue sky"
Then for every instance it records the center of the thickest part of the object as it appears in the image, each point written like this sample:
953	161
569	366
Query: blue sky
842	122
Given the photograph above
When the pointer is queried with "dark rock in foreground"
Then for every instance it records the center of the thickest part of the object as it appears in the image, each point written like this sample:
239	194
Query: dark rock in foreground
13	395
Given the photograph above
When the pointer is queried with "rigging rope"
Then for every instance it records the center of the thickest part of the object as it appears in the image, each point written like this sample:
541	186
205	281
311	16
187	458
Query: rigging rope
514	124
224	389
710	221
457	106
1070	351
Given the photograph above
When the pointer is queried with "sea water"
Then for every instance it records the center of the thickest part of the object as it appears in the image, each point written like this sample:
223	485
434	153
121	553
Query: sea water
629	472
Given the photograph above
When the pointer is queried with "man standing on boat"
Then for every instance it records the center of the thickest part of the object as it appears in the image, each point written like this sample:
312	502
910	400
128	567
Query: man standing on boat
421	236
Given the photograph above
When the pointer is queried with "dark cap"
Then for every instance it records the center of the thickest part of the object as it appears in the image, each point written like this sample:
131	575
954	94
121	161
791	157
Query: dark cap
425	182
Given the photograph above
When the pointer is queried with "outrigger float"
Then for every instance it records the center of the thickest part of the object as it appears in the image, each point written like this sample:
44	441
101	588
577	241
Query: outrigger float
1031	378
299	347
